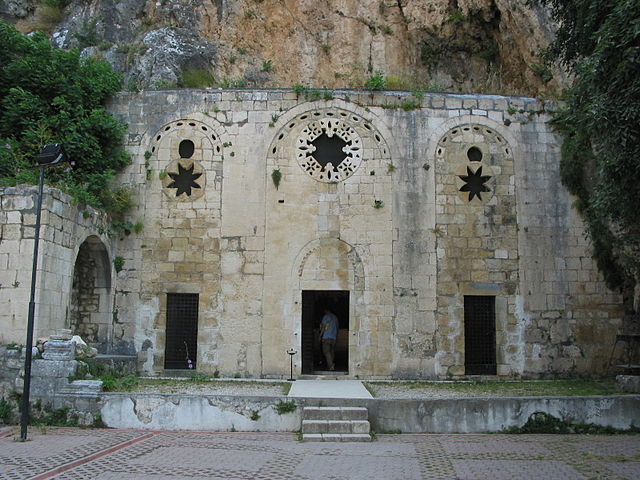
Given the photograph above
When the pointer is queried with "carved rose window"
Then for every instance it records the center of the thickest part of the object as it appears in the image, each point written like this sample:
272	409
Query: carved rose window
329	150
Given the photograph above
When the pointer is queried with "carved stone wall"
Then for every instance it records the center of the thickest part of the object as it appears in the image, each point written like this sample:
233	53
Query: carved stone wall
250	198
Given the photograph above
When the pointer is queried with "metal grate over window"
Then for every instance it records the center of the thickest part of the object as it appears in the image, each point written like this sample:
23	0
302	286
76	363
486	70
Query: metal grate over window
480	335
181	348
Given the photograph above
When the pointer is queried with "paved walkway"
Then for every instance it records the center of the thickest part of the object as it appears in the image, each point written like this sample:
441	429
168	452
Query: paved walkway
329	389
72	453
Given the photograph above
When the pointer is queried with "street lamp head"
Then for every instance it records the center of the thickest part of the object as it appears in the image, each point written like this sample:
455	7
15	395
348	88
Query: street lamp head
52	154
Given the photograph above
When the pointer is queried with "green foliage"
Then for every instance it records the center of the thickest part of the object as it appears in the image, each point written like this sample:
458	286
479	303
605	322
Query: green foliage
267	66
88	34
54	96
255	416
298	89
541	422
5	410
378	204
285	407
427	54
456	17
597	41
138	226
114	383
376	82
394	82
197	377
409	104
276	176
196	78
543	72
47	416
118	263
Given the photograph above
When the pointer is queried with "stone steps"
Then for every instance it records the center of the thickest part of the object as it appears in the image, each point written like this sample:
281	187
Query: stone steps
335	424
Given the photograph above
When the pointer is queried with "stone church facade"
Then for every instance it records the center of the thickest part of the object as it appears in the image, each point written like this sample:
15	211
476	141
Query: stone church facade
436	229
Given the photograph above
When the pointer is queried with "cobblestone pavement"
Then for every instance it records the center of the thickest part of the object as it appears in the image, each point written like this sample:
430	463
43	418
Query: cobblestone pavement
71	453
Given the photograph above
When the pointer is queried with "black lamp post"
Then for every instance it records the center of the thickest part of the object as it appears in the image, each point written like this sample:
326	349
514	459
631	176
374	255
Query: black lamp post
291	352
50	156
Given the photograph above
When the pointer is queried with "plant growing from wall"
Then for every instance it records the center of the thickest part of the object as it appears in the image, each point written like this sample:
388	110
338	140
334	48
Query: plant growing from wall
285	407
376	82
118	263
49	95
276	176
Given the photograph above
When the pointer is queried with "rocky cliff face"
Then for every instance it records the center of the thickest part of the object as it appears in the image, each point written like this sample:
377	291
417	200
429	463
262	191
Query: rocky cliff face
455	45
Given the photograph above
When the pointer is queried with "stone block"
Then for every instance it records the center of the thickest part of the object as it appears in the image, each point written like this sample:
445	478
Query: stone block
59	350
53	368
628	383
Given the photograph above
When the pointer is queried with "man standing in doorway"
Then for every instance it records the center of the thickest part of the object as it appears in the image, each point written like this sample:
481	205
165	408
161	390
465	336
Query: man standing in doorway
328	335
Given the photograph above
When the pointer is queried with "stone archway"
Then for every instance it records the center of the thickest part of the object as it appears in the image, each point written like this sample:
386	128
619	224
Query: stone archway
90	312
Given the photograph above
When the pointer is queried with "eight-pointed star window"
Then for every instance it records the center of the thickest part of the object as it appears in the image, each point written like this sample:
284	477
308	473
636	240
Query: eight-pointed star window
184	180
474	183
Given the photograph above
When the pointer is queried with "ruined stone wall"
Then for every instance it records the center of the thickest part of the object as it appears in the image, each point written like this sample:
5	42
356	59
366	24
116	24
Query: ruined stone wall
64	227
397	224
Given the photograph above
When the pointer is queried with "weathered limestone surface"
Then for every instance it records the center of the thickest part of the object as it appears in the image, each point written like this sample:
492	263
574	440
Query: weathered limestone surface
396	225
64	228
249	248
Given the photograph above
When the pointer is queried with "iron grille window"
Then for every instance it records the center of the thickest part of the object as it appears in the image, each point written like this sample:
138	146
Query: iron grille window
181	347
480	335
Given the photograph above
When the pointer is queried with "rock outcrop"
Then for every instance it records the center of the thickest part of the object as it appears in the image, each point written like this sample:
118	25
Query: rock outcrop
456	45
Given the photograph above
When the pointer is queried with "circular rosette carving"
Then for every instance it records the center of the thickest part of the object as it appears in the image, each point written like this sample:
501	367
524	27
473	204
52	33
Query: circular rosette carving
329	150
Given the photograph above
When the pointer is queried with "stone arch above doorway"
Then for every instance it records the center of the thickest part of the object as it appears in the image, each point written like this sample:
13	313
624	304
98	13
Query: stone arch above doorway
91	298
330	262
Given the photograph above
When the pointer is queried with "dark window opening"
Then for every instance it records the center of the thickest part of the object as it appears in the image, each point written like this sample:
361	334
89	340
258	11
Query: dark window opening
184	180
329	149
314	303
186	149
181	346
475	183
480	335
474	154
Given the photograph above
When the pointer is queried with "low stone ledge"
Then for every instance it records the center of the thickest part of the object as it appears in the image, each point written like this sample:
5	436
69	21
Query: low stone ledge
464	415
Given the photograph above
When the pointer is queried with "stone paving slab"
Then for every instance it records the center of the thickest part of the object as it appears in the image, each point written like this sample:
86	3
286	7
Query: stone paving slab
78	454
329	389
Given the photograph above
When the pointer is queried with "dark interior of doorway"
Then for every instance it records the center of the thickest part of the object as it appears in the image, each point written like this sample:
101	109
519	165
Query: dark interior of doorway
314	303
181	347
480	335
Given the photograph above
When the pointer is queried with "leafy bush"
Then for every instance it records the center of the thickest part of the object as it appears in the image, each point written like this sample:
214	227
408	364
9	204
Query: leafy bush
54	96
597	41
285	407
376	82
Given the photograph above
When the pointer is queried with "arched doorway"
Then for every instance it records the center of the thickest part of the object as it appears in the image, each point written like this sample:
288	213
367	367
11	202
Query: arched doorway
90	311
314	304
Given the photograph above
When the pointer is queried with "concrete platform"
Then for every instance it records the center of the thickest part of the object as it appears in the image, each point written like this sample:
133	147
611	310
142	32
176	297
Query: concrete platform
329	389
